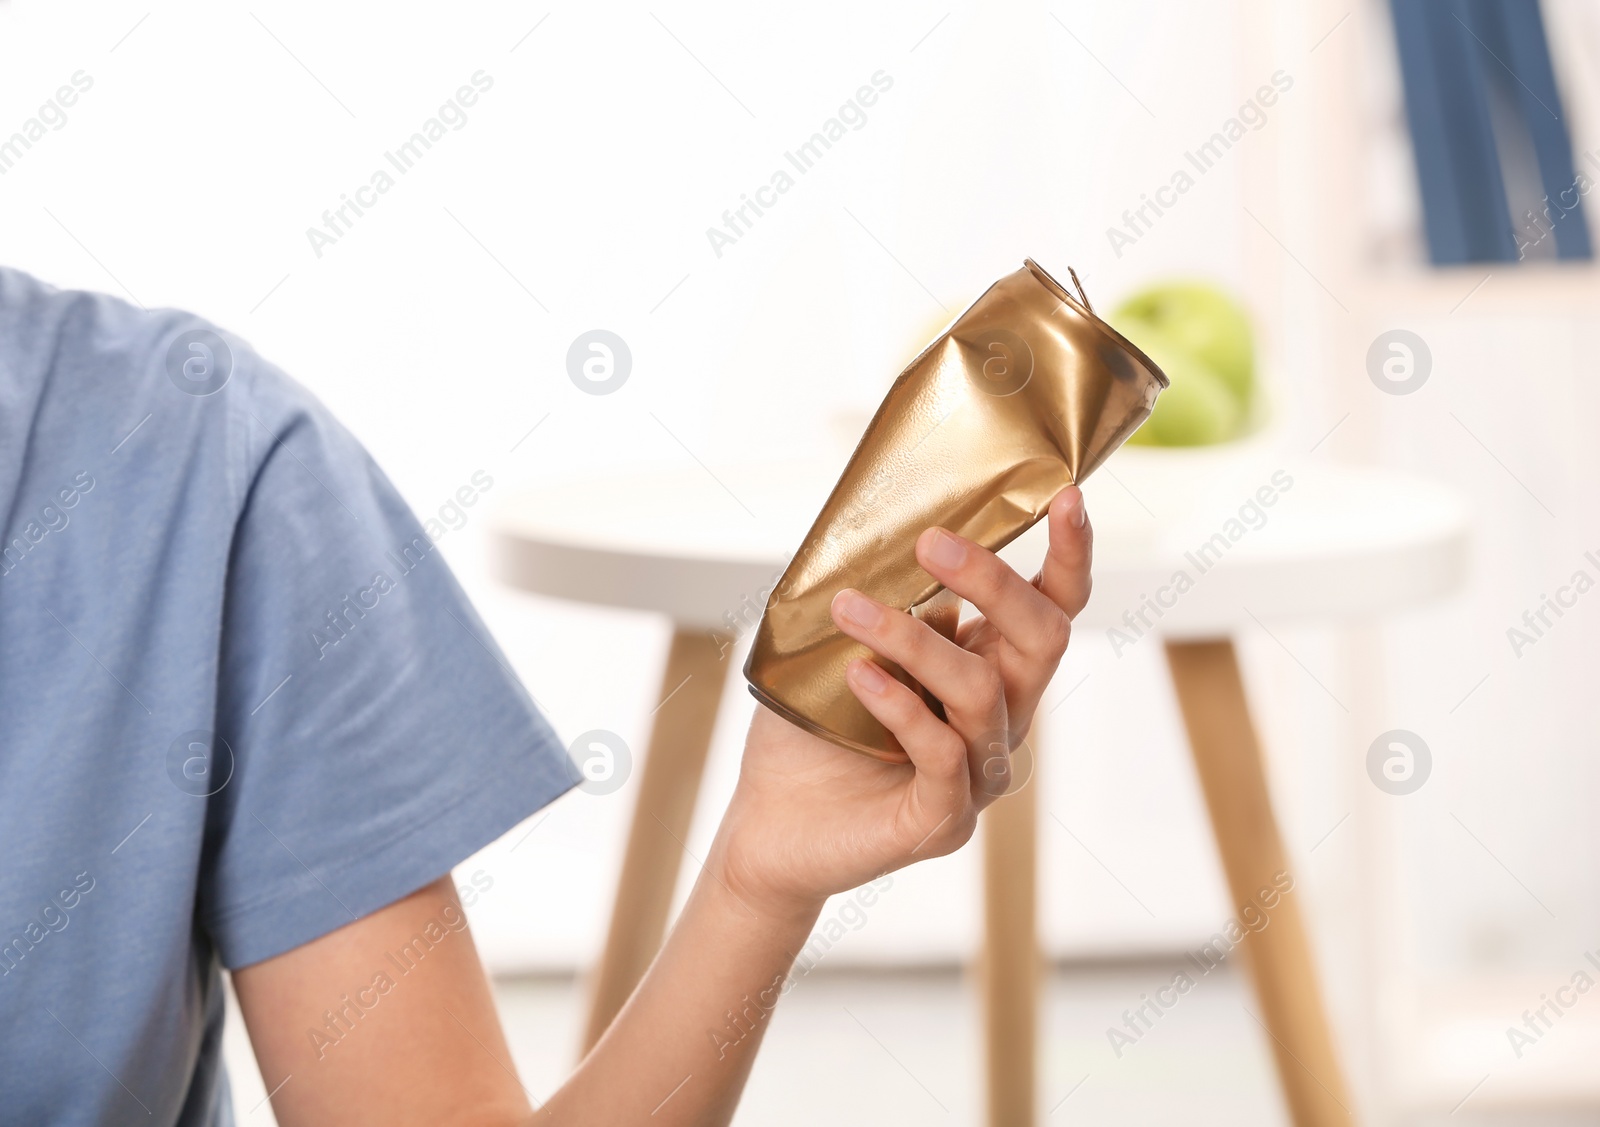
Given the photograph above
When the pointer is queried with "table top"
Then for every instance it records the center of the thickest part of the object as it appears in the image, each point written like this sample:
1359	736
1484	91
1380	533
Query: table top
1190	543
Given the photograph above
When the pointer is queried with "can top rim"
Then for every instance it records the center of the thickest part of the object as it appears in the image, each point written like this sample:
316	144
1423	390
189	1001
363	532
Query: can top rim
1094	318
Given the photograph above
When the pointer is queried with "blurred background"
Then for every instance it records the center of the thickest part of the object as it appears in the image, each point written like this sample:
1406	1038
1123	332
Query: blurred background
202	144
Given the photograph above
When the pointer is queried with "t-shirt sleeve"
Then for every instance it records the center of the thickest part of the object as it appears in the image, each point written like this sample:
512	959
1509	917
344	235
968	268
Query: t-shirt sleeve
376	734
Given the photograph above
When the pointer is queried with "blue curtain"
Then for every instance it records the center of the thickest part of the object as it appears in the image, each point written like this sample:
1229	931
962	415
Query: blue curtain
1481	100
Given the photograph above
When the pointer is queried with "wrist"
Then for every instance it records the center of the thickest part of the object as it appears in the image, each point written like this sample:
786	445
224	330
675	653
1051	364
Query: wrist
737	869
755	907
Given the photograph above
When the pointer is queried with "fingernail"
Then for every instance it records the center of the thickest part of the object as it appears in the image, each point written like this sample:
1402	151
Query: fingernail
945	550
859	609
869	676
1076	514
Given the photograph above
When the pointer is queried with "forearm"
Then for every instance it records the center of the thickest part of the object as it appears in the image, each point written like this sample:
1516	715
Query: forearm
681	1049
809	818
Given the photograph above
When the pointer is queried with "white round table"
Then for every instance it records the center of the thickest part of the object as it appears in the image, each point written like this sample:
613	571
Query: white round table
1261	540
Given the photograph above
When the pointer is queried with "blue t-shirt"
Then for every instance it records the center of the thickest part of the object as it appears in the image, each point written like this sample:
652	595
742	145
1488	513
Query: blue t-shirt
242	700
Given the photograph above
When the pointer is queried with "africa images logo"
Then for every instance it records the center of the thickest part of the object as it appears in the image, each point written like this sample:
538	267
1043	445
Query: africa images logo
53	916
738	222
338	222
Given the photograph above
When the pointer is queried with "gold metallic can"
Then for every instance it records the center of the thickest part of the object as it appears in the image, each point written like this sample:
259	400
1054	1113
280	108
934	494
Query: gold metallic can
1025	393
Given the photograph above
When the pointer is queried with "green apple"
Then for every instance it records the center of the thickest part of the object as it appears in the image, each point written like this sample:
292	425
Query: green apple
1201	320
1198	409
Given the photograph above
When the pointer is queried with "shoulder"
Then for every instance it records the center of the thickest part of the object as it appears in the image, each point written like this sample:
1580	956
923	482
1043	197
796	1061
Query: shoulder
178	428
89	371
75	342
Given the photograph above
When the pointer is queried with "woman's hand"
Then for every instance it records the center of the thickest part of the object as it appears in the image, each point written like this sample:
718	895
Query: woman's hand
810	818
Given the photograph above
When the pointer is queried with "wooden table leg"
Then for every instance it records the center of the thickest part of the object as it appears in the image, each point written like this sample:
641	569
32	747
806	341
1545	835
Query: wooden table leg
1228	759
1010	963
669	783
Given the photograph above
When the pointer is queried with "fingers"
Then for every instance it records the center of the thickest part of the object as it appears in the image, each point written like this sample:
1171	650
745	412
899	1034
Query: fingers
1065	576
943	791
970	688
1021	638
934	747
1025	617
